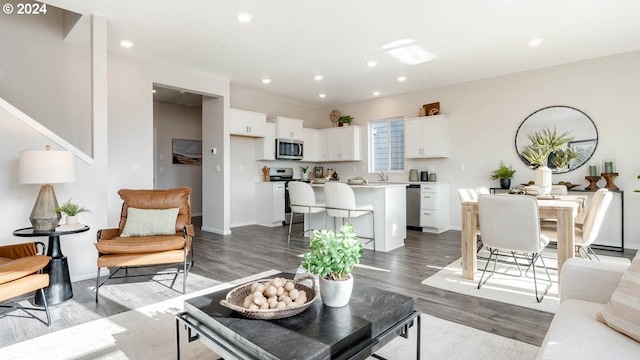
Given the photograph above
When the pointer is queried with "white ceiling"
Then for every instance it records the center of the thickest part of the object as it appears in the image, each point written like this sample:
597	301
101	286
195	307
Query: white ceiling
290	41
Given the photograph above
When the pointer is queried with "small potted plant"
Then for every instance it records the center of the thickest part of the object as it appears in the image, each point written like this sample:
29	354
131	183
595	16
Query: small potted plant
304	175
71	210
346	120
332	258
504	174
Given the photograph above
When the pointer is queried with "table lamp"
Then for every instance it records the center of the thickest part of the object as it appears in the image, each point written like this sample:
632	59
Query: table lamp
46	167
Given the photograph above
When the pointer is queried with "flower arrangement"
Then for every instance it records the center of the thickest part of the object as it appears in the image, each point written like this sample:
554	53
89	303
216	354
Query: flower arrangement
543	144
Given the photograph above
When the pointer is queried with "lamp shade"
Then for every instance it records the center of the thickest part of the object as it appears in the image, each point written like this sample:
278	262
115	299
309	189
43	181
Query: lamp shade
46	167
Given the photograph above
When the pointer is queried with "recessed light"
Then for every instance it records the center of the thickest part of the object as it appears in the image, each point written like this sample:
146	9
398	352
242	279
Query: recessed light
372	63
535	42
266	81
322	96
402	78
126	43
244	17
318	77
376	93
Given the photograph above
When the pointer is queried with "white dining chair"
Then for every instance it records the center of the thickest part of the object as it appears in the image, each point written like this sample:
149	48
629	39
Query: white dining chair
340	203
467	194
559	190
586	234
511	224
482	190
303	201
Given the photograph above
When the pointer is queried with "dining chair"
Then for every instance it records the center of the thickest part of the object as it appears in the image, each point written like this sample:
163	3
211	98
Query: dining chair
482	190
559	190
511	224
340	202
586	234
303	201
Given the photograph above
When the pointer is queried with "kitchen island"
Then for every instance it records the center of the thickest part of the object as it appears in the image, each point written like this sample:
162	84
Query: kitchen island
389	207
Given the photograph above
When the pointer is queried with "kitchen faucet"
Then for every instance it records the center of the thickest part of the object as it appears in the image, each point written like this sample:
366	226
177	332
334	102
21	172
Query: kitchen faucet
383	177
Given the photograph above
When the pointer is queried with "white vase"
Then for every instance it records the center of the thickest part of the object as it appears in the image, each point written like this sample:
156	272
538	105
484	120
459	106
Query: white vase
304	176
72	220
543	179
336	293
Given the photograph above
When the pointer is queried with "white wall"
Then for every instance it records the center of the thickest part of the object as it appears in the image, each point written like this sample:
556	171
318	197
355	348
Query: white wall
485	115
44	76
177	122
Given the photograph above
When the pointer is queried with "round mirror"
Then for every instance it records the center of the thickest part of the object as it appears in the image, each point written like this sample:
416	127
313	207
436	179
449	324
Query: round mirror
564	119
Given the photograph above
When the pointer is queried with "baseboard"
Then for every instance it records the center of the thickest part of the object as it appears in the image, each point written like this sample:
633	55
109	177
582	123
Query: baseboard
215	231
87	276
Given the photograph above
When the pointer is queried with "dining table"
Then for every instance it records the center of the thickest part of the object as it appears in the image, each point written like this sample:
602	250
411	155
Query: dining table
564	209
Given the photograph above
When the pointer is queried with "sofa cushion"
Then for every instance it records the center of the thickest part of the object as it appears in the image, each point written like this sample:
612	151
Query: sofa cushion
157	199
622	312
19	268
140	244
146	222
575	334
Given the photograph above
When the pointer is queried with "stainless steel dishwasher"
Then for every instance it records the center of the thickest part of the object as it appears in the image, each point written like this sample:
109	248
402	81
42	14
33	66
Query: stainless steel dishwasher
413	206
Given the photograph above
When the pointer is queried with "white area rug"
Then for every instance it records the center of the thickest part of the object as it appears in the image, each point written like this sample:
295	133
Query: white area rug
503	288
149	333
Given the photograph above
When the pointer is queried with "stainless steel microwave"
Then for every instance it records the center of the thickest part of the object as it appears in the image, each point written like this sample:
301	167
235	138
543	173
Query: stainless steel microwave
289	149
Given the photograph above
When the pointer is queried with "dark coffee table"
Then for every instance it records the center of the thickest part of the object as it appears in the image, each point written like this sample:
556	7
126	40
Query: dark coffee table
372	318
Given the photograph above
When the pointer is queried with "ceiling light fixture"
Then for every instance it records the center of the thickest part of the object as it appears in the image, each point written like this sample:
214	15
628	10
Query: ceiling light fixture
535	42
322	96
244	17
126	43
411	55
318	77
376	93
402	78
266	81
372	63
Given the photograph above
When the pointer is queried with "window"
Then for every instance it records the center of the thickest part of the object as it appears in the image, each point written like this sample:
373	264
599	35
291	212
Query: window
386	145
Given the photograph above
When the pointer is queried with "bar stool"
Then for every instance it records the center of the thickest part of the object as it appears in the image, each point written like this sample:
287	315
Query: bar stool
302	201
341	203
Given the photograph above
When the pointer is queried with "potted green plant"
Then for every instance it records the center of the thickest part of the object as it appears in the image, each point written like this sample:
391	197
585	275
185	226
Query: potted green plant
504	174
543	143
71	210
332	257
303	171
346	120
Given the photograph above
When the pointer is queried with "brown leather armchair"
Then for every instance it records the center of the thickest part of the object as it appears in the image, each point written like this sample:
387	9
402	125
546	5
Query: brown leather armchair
21	272
116	250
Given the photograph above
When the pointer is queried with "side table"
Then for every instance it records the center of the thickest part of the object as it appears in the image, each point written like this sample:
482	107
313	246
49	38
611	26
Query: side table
59	288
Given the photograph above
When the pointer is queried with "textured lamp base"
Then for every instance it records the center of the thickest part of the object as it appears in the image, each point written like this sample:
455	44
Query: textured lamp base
44	216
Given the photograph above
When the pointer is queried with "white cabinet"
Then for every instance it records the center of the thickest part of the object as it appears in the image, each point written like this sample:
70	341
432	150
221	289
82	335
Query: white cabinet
342	144
434	207
310	150
247	123
270	203
426	137
266	146
323	154
288	128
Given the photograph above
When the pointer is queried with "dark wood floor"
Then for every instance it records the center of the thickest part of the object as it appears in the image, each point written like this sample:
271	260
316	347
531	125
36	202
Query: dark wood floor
253	249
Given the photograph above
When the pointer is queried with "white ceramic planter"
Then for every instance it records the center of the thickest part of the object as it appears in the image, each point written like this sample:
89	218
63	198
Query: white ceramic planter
72	220
543	178
336	293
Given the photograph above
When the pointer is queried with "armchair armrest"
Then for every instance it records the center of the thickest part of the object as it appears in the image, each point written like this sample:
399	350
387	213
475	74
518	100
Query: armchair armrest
107	234
590	280
189	231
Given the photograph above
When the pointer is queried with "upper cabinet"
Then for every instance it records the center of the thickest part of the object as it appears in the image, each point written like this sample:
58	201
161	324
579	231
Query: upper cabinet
339	144
310	152
426	137
288	128
247	123
266	146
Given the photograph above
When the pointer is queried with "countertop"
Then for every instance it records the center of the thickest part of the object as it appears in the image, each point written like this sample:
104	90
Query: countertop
374	184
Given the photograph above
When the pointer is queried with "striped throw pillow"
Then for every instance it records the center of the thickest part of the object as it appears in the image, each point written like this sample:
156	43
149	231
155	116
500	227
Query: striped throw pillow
622	312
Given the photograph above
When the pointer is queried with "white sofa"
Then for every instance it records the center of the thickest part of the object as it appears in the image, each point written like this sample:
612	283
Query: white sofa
574	333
